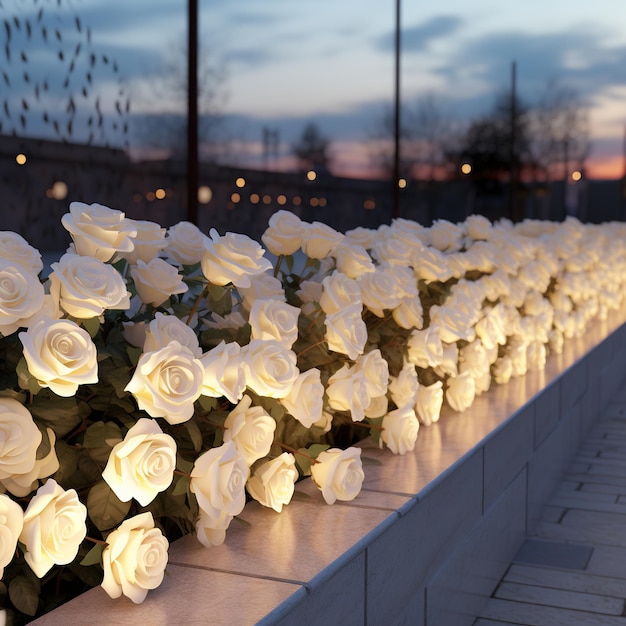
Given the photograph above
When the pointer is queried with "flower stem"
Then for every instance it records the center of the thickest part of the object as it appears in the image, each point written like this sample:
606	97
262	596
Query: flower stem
313	345
93	540
196	304
278	262
288	448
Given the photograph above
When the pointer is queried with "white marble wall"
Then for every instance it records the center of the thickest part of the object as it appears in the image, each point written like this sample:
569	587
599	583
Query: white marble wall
428	538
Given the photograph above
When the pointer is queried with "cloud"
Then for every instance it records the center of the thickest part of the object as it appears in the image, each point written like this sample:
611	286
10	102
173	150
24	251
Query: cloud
417	38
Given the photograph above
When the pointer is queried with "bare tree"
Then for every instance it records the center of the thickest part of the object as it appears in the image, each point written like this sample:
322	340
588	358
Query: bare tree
560	131
165	129
312	149
426	138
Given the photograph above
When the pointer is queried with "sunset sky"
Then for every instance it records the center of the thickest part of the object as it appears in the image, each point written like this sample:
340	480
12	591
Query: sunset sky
331	62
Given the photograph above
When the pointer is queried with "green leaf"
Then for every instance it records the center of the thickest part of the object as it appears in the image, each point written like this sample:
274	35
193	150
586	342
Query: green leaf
317	448
24	593
94	556
182	483
25	379
208	403
105	508
303	461
92	326
194	434
219	300
119	377
98	440
134	354
60	414
68	464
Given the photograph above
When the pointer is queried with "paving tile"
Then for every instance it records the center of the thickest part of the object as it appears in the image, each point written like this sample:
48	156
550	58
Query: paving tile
608	561
553	554
536	615
560	598
595	528
569	580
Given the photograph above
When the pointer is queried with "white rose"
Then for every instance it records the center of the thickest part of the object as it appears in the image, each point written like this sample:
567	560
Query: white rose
455	319
85	287
445	236
223	372
360	236
210	531
273	319
147	243
381	290
502	370
263	287
396	247
156	281
353	259
535	275
409	313
11	523
375	371
346	332
461	391
60	355
98	231
518	350
218	480
233	258
54	527
320	240
478	227
15	248
305	401
449	362
272	484
555	341
347	391
473	359
22	484
19	439
425	348
142	465
185	243
165	328
339	292
270	368
167	382
400	429
403	388
251	429
338	474
431	265
21	296
429	402
490	329
284	233
377	407
134	559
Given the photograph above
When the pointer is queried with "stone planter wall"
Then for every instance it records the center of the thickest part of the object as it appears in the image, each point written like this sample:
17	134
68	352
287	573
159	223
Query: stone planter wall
428	538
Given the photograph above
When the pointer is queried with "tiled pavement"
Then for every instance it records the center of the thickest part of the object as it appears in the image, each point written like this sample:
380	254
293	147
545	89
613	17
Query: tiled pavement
572	569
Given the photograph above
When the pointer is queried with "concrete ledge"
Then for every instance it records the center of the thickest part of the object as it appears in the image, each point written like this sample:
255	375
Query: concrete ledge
428	538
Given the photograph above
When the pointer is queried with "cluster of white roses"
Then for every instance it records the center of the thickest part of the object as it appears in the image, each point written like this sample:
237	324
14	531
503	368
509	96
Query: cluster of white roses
240	369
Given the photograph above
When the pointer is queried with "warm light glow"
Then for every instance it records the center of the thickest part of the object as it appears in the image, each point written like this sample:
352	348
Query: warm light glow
160	193
59	190
20	159
254	198
322	201
314	202
282	199
369	204
267	199
240	182
204	194
576	175
297	201
311	175
466	168
150	196
235	197
137	198
402	183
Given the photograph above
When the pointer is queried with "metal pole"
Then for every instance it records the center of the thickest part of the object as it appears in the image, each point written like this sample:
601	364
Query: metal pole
512	155
396	121
192	113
